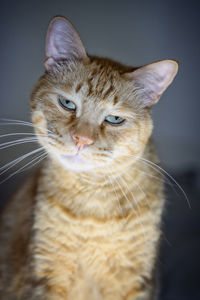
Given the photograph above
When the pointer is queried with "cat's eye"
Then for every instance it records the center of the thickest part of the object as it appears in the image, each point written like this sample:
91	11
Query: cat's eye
67	104
114	120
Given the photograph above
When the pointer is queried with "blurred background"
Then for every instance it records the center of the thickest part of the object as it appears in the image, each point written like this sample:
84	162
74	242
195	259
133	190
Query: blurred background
135	32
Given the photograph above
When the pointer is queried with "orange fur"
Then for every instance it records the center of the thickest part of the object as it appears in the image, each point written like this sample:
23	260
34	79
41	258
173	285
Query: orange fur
89	231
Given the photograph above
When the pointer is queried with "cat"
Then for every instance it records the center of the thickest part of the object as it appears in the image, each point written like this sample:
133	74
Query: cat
86	224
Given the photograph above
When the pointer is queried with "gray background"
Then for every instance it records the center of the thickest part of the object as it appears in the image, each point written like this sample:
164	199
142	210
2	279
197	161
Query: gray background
133	32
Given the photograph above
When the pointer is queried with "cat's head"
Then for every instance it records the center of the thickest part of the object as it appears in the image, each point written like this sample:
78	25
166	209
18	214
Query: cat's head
91	112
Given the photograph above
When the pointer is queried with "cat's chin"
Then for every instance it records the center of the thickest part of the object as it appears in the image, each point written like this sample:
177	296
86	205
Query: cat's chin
74	163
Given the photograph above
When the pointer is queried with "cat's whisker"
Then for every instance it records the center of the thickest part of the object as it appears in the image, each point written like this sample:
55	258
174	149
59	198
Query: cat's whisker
38	160
21	133
11	164
32	138
141	190
22	123
151	164
121	177
132	207
25	123
137	185
15	120
164	173
124	194
150	175
145	197
117	197
138	215
19	170
28	125
18	142
147	174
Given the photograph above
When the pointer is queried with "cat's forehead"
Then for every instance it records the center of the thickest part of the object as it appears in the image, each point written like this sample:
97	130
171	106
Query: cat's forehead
98	81
97	90
97	84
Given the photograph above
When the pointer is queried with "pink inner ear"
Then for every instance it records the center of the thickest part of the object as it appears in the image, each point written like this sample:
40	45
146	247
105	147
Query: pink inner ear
62	42
153	79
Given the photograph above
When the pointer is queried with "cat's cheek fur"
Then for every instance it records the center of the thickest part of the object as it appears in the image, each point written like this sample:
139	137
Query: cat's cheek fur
134	140
40	124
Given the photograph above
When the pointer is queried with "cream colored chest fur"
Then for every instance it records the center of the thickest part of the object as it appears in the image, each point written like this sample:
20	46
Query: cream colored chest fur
72	251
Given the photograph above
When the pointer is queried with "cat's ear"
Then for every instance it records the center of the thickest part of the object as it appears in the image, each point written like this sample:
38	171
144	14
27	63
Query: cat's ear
62	43
152	80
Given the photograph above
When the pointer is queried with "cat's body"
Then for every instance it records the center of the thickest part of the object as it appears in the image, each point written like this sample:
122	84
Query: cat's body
106	256
87	225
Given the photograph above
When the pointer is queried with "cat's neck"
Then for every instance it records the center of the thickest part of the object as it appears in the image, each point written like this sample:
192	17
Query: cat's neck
98	177
102	193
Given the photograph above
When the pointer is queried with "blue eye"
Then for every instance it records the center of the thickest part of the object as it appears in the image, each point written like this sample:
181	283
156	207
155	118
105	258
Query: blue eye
69	105
115	120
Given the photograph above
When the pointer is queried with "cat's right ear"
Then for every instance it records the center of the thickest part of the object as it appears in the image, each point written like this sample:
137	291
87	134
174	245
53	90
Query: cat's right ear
152	80
62	43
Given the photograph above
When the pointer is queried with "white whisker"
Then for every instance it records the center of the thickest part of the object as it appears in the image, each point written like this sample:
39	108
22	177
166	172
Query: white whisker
165	172
130	192
20	133
145	197
18	171
14	120
18	142
124	194
11	164
142	171
132	207
117	197
38	158
21	123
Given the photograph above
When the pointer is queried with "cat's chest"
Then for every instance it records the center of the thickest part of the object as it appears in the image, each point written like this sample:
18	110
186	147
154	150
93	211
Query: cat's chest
57	223
58	227
64	242
55	220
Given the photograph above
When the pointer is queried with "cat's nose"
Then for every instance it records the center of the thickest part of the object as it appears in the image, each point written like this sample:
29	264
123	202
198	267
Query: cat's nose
81	141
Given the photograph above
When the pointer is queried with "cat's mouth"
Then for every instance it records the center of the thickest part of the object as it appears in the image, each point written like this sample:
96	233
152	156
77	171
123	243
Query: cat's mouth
75	162
74	159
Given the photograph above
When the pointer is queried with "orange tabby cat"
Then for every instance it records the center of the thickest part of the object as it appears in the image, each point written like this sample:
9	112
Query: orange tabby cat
87	224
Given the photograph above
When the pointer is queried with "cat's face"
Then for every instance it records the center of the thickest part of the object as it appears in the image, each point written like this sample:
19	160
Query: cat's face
90	112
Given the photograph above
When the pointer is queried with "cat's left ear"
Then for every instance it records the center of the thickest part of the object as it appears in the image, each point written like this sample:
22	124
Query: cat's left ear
152	80
62	43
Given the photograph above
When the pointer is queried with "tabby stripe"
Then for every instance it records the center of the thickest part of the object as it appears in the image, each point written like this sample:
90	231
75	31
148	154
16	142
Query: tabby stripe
115	100
90	87
110	89
79	86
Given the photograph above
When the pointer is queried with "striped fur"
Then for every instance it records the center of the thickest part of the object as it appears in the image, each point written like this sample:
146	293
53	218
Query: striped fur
91	232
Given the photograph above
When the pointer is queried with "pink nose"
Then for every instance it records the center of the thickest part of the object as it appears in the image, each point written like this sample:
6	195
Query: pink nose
82	141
